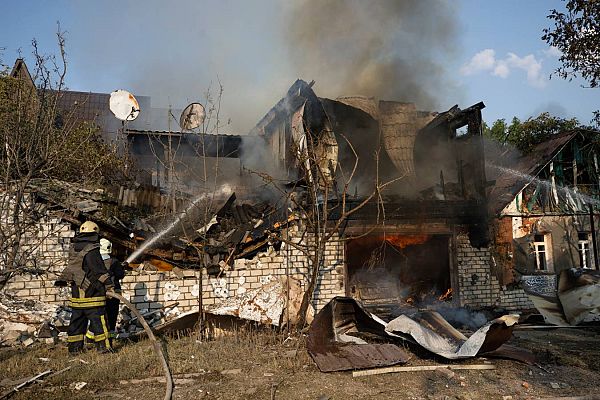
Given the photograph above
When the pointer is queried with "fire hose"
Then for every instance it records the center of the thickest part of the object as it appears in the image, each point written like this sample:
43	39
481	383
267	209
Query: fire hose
157	347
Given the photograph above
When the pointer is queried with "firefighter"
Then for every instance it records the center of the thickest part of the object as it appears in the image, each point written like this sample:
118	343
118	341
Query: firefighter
116	271
90	281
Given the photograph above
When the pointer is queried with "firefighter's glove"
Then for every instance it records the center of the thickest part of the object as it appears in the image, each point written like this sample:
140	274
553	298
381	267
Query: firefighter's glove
110	290
125	264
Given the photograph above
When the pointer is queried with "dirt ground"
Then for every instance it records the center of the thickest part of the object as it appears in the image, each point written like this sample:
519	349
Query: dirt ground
267	365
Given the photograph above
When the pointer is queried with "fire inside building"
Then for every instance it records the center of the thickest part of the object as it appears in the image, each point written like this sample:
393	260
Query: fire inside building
372	200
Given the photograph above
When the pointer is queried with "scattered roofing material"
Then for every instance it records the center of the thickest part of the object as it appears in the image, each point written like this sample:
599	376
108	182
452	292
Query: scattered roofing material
576	300
431	331
335	338
340	334
265	305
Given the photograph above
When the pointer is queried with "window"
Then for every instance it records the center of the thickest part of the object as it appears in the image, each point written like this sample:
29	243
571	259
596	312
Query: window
542	252
583	245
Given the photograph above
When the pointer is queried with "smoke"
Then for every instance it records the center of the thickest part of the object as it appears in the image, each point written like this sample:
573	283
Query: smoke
461	317
175	51
390	49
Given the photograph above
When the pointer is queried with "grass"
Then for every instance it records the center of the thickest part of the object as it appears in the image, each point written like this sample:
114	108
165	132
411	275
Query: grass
270	364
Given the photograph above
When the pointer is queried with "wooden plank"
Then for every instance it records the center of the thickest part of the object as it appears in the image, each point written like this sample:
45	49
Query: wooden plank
22	385
388	370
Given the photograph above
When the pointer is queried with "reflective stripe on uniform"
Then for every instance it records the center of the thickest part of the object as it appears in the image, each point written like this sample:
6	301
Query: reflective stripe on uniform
74	338
88	302
104	277
88	305
106	335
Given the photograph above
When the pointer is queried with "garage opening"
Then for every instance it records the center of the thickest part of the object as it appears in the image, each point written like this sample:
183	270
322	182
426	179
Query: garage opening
392	270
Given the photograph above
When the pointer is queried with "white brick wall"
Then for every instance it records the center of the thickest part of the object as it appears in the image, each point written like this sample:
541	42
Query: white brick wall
154	289
478	286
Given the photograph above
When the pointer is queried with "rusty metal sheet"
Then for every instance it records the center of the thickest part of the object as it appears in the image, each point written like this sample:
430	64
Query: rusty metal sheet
337	338
512	353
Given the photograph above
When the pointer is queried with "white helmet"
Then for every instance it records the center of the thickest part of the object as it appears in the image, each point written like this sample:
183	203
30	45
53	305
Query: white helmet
105	246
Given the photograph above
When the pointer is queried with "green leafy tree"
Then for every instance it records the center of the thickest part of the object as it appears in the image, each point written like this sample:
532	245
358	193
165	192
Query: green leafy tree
576	34
523	135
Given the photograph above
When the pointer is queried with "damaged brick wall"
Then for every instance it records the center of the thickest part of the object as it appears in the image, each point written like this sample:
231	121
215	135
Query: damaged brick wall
478	286
155	289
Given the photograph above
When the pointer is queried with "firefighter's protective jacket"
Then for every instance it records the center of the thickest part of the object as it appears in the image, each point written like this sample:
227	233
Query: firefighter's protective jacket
88	290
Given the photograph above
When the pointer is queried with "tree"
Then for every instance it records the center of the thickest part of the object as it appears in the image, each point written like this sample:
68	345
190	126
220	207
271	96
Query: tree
40	140
525	135
576	34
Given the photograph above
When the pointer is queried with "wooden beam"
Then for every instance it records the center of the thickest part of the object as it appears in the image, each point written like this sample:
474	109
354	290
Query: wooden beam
388	370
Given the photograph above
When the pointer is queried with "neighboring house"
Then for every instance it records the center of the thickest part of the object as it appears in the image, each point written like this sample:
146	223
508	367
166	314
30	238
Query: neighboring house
545	206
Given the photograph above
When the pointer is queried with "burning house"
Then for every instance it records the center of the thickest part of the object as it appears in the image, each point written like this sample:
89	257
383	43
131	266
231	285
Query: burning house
395	196
417	239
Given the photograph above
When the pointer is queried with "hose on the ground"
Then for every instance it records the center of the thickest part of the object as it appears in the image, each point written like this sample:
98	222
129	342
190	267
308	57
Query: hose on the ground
157	347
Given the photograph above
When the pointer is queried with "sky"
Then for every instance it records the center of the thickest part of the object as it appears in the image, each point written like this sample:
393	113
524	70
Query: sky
435	53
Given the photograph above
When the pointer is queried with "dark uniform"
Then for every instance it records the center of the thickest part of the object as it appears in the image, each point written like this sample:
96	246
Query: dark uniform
88	296
116	272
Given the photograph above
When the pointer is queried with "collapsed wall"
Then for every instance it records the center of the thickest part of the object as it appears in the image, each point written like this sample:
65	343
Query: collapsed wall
477	286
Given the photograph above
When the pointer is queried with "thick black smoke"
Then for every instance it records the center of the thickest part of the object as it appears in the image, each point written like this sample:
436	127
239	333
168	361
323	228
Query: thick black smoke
391	49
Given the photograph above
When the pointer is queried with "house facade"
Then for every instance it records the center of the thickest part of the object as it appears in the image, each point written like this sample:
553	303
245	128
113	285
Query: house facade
545	209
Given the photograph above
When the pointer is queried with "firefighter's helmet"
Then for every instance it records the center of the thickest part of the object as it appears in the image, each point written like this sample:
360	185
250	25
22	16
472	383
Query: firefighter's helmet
89	227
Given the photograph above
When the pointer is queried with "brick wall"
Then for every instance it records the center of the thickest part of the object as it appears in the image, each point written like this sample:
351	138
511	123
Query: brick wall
478	286
148	290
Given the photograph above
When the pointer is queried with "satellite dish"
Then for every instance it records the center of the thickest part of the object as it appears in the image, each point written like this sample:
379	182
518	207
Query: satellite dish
123	105
192	116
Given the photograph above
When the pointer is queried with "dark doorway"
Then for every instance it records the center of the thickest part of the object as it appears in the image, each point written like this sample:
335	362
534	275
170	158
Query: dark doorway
397	269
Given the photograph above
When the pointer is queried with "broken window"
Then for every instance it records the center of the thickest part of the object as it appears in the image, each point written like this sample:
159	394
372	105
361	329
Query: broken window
542	252
583	245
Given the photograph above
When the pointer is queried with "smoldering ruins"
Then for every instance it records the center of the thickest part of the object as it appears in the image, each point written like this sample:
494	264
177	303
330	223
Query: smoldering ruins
373	219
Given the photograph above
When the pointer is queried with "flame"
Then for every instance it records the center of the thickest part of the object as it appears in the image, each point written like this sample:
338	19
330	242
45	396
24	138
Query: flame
402	241
446	296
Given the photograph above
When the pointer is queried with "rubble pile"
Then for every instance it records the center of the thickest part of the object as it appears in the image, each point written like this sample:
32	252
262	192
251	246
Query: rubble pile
23	322
129	325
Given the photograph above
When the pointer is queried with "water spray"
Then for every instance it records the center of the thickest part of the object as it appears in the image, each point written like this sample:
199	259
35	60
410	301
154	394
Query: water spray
225	189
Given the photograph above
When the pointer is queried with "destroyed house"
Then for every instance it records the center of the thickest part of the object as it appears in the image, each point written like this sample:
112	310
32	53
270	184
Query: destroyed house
423	238
426	248
545	209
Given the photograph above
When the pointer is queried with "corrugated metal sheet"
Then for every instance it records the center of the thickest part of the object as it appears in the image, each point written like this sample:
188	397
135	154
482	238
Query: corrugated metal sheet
335	343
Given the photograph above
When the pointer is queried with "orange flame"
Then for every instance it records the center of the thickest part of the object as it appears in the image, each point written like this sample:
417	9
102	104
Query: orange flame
446	296
402	241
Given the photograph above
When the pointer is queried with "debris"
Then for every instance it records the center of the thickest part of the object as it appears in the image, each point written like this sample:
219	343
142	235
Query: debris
25	383
43	359
430	330
576	300
525	384
335	338
388	370
231	371
507	397
344	322
554	385
77	385
23	320
265	304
